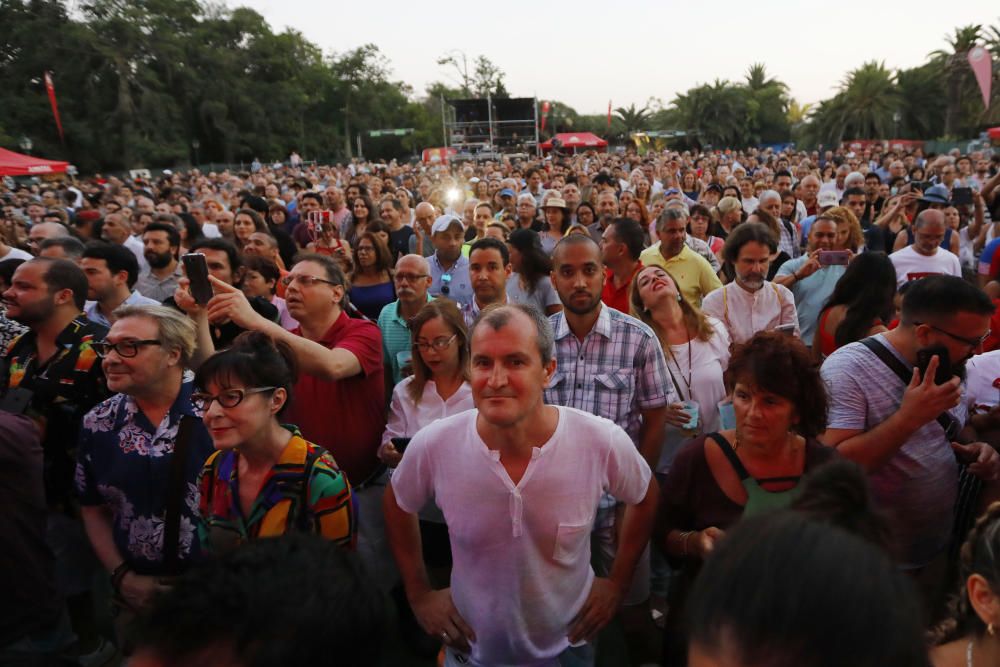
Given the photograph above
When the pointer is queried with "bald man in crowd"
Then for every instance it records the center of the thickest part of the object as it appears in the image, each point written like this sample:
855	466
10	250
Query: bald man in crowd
423	217
412	279
43	231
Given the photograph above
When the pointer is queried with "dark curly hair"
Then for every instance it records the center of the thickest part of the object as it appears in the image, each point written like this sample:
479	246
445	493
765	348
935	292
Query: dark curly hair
274	601
783	365
980	555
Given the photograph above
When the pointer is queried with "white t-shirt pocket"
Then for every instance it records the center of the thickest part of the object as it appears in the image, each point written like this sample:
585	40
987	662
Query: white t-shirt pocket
570	540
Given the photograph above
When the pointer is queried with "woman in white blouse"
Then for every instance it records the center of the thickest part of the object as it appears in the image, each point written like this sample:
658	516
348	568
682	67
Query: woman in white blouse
439	386
697	350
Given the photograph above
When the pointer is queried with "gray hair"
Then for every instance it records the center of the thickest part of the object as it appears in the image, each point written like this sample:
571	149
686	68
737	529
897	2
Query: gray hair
671	213
769	194
176	331
528	197
854	176
498	315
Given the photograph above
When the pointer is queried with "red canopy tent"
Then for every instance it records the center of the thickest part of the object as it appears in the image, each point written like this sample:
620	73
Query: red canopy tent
16	164
576	141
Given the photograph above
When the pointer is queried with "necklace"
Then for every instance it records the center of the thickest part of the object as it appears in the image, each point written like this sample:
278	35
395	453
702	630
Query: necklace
690	371
968	654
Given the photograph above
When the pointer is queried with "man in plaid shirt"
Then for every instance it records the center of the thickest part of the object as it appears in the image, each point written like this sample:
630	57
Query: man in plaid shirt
610	365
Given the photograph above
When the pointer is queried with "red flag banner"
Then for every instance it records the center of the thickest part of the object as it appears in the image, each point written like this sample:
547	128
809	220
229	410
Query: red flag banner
982	67
55	107
609	115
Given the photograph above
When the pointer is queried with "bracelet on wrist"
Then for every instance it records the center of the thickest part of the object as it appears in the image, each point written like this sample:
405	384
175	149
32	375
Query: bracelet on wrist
118	575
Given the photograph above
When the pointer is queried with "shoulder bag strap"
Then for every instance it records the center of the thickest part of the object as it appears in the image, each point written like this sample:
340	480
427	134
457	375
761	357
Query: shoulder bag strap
730	453
947	422
175	495
303	516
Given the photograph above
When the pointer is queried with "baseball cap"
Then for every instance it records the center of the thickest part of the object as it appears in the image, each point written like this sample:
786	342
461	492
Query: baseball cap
827	198
444	222
507	192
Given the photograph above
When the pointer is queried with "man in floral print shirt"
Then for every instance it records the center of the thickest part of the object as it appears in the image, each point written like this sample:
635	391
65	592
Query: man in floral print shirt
51	372
126	450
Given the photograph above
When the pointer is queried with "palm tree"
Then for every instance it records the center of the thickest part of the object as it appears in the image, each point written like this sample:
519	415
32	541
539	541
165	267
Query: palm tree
718	113
633	119
870	100
756	78
957	71
922	107
798	113
768	119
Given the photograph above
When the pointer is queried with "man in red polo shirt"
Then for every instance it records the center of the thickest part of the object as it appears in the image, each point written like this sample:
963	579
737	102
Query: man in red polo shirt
621	243
339	400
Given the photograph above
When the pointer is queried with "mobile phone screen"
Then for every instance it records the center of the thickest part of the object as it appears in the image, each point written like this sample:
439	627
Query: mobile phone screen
944	372
197	273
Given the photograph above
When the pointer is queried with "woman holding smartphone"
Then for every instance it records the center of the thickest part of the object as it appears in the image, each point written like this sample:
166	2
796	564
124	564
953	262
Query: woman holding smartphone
438	388
327	242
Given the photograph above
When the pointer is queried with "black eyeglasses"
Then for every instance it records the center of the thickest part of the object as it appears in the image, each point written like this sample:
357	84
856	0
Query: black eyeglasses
124	348
229	398
305	281
971	342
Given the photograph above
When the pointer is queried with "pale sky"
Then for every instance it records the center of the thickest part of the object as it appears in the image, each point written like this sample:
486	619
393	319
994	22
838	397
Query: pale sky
584	53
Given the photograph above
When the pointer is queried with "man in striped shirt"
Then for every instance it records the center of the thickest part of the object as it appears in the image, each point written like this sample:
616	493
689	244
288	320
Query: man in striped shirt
412	279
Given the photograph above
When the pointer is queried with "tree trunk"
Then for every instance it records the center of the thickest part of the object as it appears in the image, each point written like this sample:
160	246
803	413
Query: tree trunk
954	93
347	125
124	110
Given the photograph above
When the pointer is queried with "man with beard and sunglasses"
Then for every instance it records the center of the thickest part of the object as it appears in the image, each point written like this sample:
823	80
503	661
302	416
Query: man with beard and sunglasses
751	303
901	423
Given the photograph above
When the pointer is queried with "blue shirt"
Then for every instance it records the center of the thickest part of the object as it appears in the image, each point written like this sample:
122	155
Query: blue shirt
94	314
811	293
454	283
396	343
123	463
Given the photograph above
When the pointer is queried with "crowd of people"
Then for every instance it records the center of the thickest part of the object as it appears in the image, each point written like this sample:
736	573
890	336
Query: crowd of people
698	408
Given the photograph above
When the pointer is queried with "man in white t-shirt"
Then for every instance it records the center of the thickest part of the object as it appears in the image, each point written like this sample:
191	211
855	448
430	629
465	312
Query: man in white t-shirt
926	256
982	394
518	482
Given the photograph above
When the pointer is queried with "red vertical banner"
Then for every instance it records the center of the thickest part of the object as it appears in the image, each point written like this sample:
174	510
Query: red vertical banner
982	67
55	107
609	115
545	113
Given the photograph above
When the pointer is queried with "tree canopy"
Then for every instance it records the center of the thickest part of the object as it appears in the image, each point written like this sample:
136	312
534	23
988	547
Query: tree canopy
171	82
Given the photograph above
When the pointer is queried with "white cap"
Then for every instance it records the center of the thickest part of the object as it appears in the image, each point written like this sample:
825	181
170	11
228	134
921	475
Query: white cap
444	222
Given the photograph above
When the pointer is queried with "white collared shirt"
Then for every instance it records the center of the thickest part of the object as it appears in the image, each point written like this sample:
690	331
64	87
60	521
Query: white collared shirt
744	313
407	417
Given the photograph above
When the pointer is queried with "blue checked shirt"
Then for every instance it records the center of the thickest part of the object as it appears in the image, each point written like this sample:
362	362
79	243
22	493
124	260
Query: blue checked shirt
616	372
